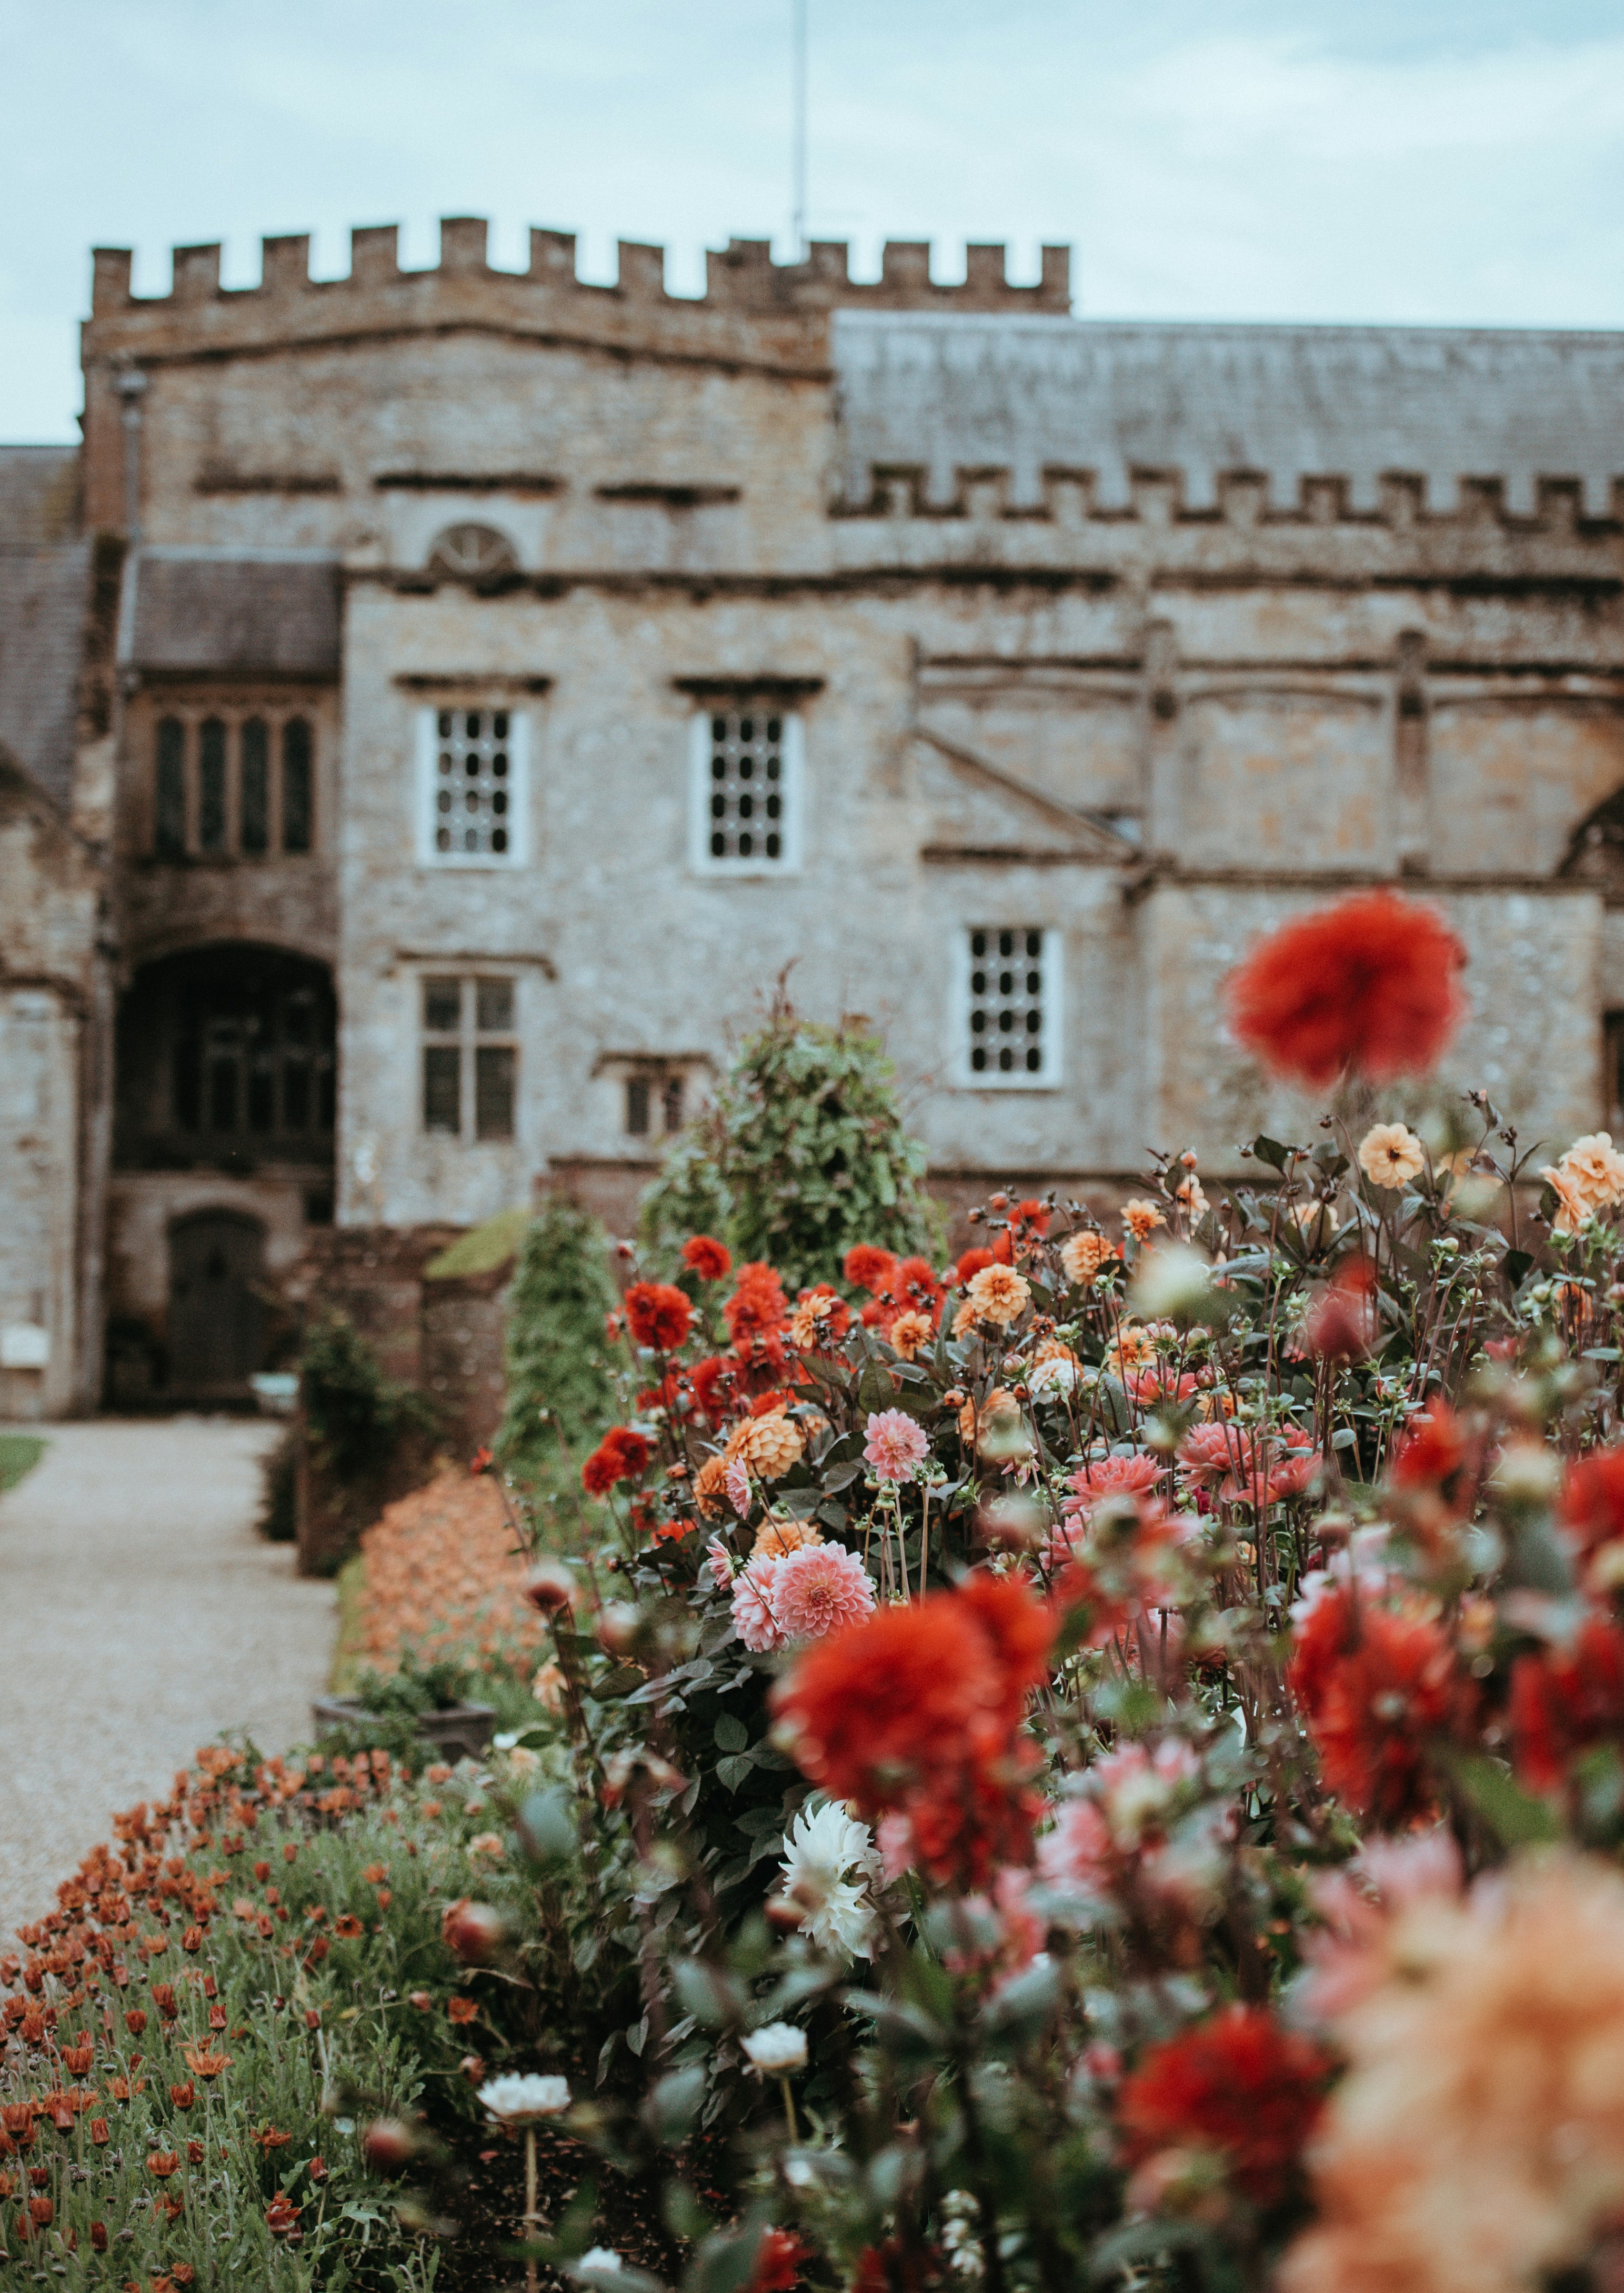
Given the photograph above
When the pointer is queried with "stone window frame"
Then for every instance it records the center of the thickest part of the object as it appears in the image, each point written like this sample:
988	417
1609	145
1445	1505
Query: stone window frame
462	699
1051	998
478	1035
194	711
741	701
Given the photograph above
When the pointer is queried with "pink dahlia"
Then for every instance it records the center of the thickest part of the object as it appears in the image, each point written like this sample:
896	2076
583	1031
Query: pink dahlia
896	1445
720	1562
739	1487
818	1588
1110	1476
755	1618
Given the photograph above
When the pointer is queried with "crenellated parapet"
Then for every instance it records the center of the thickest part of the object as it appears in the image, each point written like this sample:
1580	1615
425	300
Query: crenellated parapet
754	310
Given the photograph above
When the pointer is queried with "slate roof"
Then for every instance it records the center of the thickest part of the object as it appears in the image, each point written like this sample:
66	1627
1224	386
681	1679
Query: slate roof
44	602
231	613
1021	393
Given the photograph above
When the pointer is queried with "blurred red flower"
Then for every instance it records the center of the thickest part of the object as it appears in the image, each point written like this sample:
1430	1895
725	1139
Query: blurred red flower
710	1259
1593	1503
1563	1700
1375	1684
1239	2085
1370	985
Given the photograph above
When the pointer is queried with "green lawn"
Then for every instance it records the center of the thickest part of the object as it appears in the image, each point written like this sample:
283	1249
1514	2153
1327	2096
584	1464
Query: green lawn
18	1452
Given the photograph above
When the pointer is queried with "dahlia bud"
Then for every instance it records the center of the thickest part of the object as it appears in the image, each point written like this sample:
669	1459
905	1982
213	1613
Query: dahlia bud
1012	1524
1341	1324
551	1586
474	1931
783	1915
619	1624
1527	1476
623	1249
388	2145
1173	1284
997	1202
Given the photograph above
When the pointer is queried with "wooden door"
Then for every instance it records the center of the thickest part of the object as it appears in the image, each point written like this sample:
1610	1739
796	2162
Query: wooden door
217	1322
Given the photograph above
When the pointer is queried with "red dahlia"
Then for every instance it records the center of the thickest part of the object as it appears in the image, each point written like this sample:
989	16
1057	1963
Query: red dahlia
779	2262
1375	1685
710	1259
1592	1505
621	1455
866	1267
1370	985
1564	1700
918	1711
1432	1450
659	1314
970	1264
758	1308
1239	2085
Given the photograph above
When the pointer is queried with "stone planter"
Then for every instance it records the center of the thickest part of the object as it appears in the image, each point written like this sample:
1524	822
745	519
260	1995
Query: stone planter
461	1731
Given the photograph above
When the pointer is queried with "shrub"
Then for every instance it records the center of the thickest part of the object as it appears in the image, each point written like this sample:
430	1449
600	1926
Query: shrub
559	1388
802	1153
278	1513
354	1414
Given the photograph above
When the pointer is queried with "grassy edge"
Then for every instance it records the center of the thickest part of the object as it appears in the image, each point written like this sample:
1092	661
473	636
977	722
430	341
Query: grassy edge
351	1586
20	1453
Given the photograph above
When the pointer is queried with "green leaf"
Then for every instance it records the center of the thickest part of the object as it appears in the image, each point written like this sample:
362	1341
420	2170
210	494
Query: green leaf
1516	1816
1517	1265
1270	1150
708	1994
731	1734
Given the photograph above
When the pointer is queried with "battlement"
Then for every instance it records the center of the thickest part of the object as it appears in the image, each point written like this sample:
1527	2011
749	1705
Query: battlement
742	283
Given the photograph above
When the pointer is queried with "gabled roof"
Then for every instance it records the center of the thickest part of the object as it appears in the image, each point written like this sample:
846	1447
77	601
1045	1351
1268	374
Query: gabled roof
1026	393
232	612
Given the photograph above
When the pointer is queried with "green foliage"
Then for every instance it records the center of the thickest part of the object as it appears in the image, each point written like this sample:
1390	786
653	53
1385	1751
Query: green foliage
20	1453
278	1513
556	1349
416	1688
354	1413
482	1250
802	1154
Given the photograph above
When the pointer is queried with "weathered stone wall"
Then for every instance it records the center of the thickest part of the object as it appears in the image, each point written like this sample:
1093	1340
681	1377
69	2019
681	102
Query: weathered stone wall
51	1018
1055	667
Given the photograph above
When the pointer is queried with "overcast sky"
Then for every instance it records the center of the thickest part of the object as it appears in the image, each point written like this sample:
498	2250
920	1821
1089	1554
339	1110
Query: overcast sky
1442	160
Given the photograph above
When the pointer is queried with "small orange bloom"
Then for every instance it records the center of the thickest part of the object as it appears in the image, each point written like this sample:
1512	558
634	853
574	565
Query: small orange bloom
162	2163
184	2096
203	2064
462	2010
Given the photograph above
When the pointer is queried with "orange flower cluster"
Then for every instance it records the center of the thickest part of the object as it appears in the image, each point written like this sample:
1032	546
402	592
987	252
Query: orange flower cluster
441	1574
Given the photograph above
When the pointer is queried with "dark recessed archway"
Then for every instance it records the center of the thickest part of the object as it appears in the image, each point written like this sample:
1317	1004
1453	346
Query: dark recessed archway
226	1059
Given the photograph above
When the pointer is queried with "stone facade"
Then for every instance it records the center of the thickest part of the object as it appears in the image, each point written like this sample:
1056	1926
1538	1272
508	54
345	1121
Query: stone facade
1133	638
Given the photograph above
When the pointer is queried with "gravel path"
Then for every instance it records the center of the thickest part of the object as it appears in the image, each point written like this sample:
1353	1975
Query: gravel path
140	1614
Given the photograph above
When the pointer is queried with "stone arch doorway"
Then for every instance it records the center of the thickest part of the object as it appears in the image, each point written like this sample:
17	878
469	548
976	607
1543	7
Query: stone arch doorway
216	1310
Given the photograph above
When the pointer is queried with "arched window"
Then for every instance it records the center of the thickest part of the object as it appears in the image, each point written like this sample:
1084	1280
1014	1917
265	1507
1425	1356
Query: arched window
468	552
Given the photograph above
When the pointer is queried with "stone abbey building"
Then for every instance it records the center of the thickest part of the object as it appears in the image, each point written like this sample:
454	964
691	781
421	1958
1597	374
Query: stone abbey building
435	707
